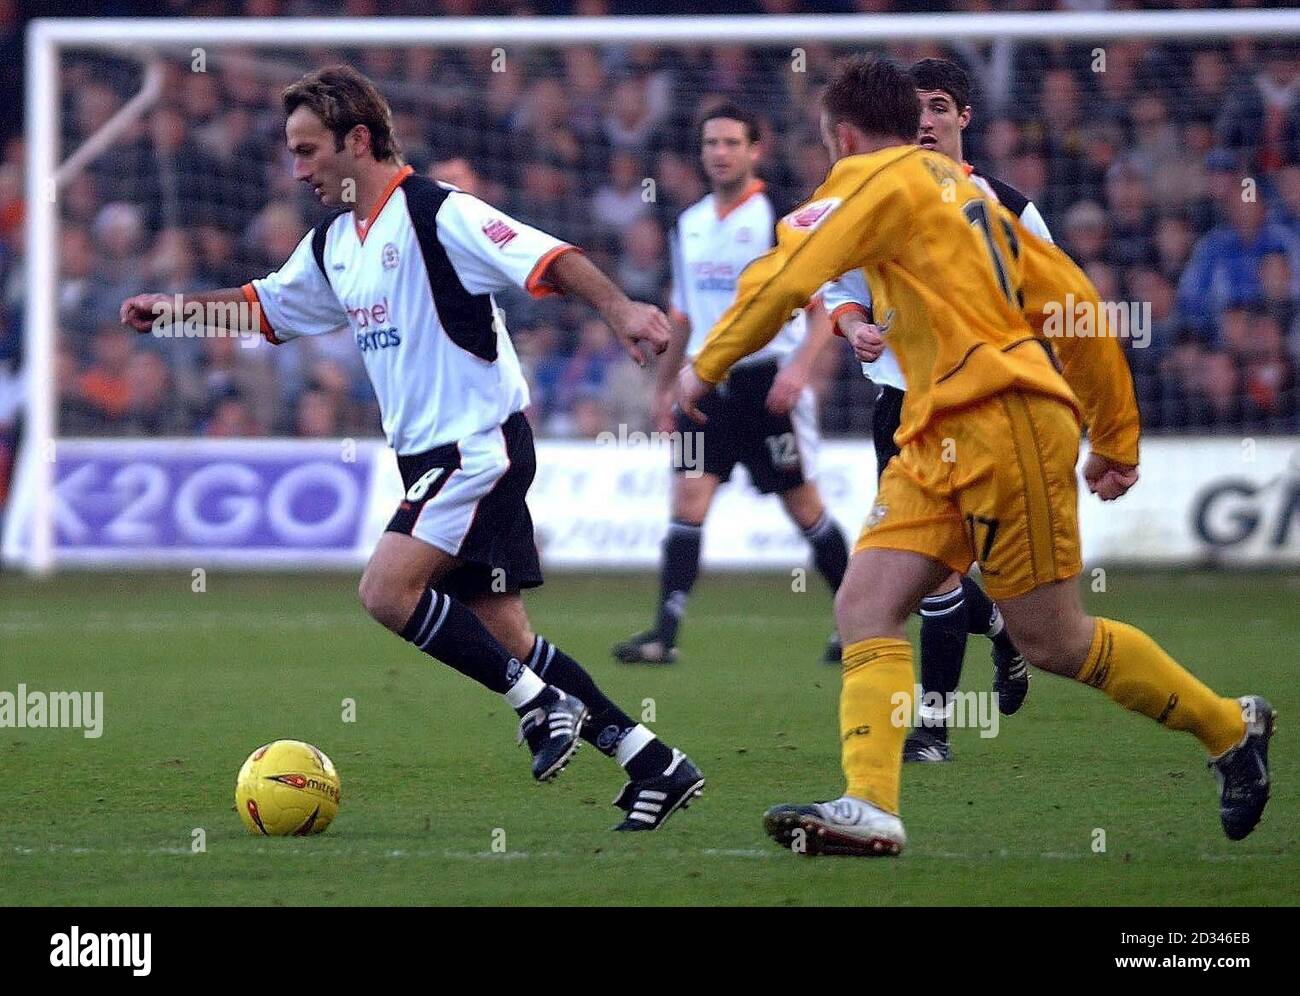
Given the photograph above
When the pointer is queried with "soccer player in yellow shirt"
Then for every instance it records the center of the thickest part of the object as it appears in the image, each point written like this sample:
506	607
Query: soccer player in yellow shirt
989	441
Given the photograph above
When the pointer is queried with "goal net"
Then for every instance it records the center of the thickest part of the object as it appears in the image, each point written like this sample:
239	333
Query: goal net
1161	149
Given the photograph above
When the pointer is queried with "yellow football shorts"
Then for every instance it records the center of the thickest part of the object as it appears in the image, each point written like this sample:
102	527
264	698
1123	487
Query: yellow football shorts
994	483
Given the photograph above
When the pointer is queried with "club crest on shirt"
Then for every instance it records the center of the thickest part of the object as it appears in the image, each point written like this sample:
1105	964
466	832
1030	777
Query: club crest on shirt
390	256
499	233
811	215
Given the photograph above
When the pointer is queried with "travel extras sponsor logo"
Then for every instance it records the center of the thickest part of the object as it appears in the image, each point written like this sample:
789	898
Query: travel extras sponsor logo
371	325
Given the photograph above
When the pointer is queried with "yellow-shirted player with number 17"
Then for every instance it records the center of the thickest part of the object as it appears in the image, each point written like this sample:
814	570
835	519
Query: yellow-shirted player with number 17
989	441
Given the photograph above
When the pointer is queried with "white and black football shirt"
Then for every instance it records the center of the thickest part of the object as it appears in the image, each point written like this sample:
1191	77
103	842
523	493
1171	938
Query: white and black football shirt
414	284
709	249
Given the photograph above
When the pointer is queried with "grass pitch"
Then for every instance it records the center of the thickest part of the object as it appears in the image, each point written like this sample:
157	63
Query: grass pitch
432	779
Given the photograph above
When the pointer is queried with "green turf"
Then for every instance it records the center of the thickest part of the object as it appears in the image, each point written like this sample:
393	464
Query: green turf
193	682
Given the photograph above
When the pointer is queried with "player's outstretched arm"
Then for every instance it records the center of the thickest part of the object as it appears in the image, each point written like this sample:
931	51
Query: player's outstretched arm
153	312
633	322
856	216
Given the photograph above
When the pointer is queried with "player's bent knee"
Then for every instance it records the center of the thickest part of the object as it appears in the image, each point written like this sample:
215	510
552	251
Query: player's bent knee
858	617
1058	649
387	603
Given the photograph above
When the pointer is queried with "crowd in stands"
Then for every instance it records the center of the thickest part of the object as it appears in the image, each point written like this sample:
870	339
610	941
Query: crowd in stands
1170	171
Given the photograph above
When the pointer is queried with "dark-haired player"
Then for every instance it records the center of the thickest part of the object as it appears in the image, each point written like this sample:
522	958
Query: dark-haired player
409	266
988	447
960	605
765	416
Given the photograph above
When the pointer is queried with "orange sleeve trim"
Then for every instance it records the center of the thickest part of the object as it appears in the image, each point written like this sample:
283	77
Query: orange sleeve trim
847	308
250	295
536	283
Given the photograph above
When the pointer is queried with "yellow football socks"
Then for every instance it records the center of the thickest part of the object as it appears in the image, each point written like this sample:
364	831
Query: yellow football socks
876	673
1131	668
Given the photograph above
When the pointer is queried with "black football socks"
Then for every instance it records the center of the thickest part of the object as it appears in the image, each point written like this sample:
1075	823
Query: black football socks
943	649
445	629
984	618
830	550
608	728
678	569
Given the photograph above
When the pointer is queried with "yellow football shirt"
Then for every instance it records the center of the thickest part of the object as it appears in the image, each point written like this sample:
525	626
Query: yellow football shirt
959	288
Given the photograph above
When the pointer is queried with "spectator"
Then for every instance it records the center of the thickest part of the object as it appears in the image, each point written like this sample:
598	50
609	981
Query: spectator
316	416
545	200
585	372
228	369
1159	145
1218	386
630	121
12	209
230	418
218	262
678	184
1261	117
105	387
590	416
76	281
1267	373
11	400
182	184
1277	282
152	408
1207	90
1224	183
1150	288
1224	267
1173	245
1284	208
1128	203
119	237
622	201
1105	277
584	79
642	271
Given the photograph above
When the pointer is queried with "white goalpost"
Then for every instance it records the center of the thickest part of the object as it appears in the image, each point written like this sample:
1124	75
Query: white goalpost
33	520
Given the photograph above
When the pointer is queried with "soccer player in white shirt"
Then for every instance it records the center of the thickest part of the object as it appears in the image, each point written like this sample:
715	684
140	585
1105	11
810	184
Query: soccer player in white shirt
764	416
959	606
408	266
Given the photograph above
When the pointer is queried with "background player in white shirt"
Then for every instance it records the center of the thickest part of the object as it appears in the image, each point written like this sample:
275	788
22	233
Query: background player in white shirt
409	267
959	606
764	416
